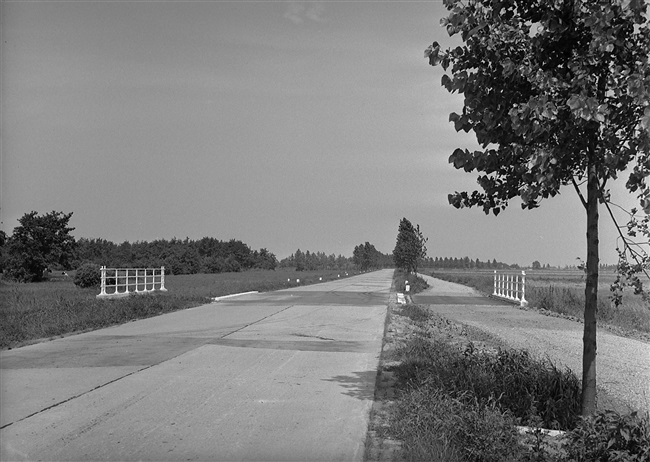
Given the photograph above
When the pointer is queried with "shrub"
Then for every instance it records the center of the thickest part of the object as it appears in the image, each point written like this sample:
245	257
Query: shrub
609	436
88	275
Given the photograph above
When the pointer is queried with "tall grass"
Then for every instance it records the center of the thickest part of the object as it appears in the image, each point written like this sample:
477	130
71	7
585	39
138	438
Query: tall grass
48	309
462	404
563	293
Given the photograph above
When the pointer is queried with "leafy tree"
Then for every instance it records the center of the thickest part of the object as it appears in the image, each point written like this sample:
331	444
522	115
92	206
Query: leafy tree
537	265
300	261
410	246
366	256
557	93
38	242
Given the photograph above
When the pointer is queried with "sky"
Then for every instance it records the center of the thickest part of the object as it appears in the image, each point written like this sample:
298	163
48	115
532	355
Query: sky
288	125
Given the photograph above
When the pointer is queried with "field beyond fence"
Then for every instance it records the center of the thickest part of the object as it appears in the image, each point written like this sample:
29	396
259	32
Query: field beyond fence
562	292
44	310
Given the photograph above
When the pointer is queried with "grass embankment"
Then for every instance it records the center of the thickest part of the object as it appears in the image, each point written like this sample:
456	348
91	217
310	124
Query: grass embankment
49	309
563	292
461	401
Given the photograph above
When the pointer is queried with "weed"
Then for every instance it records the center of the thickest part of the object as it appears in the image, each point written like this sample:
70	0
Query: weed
511	379
609	436
437	427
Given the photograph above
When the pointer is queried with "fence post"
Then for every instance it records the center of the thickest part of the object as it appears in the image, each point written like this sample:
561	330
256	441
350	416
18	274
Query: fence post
523	302
103	283
162	279
495	283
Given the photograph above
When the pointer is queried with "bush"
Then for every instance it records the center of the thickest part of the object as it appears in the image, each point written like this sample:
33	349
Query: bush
609	436
88	275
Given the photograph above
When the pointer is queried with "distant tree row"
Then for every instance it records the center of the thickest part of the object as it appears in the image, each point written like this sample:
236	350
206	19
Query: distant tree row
312	261
206	255
44	242
465	262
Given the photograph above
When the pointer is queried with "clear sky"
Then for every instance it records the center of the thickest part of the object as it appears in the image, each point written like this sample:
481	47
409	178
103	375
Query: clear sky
311	125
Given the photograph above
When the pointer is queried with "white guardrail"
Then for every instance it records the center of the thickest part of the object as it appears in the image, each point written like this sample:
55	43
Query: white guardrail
511	286
131	281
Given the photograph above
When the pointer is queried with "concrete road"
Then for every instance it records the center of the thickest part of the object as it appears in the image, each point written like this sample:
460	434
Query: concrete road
286	375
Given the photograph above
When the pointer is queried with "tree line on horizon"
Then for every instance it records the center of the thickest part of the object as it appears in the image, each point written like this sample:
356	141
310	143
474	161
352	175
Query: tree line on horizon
465	262
43	243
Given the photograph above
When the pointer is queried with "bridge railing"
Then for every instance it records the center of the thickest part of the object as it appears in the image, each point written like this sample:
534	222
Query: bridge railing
511	286
121	282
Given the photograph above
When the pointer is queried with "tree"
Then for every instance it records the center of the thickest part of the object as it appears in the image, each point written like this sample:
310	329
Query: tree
37	243
410	246
557	93
366	256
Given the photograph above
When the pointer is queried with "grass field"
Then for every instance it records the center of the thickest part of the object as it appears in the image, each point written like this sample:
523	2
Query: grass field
34	311
563	292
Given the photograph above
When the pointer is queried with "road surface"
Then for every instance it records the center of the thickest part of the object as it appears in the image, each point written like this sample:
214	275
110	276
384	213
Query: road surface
286	375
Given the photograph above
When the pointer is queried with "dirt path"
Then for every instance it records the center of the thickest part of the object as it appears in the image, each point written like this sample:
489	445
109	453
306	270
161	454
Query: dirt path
623	364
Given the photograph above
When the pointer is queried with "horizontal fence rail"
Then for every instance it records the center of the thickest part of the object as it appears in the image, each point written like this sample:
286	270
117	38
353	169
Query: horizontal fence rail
121	282
511	286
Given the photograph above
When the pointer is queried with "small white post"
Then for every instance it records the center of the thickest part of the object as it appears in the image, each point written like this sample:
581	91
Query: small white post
103	283
495	283
524	302
162	279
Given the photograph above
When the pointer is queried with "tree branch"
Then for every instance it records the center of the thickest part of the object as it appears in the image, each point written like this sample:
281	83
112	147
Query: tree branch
582	198
627	245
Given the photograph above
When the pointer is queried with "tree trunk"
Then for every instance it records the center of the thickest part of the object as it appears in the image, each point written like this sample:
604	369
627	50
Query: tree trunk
591	298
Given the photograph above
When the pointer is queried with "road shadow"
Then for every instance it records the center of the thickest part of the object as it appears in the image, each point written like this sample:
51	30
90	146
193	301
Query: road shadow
360	385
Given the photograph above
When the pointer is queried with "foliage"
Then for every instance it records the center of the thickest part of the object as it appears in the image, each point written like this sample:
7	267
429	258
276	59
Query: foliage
557	93
177	256
88	275
549	87
464	262
410	246
38	242
366	256
634	258
311	261
609	436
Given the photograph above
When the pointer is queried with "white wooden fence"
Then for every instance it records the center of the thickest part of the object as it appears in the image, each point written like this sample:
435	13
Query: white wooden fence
121	282
511	286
